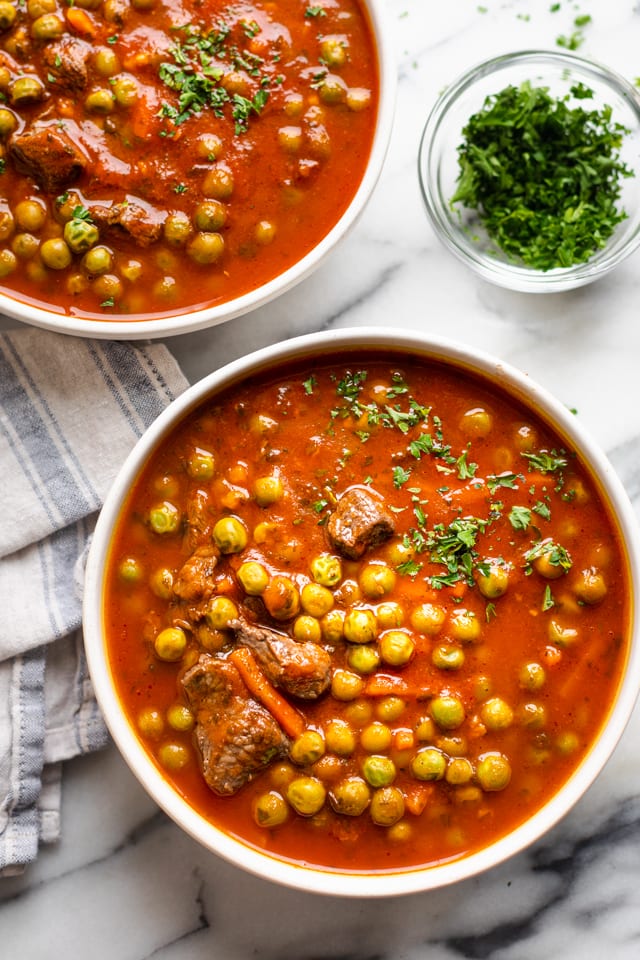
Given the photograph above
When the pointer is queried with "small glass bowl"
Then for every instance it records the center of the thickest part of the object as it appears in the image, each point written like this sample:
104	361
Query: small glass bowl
460	229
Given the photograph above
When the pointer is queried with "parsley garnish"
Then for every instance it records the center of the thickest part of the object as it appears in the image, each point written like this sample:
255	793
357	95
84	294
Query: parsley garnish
109	302
400	476
309	384
315	12
542	176
545	462
520	517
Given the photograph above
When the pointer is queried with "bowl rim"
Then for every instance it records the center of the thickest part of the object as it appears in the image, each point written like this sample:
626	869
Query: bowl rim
502	273
321	880
189	321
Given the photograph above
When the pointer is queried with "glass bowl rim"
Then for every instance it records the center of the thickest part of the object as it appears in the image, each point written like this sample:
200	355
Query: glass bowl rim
503	273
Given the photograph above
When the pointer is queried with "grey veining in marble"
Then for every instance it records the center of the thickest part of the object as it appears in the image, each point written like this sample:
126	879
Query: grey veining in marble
125	883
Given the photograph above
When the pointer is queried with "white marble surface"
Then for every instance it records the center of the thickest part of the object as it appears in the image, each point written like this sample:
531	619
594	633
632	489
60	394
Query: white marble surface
124	883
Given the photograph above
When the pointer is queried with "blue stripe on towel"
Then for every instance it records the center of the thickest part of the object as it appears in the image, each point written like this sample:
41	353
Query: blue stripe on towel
21	844
58	558
141	389
40	458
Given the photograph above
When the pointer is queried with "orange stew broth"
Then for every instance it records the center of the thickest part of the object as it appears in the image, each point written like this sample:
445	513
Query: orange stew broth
323	428
248	122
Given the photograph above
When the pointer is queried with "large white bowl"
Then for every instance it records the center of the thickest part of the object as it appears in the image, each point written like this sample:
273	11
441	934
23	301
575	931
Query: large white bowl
317	879
191	320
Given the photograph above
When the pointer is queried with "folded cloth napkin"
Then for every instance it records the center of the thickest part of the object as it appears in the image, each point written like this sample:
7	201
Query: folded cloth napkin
70	411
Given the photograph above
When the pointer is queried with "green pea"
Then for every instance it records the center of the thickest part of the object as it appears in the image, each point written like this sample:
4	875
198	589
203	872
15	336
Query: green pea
25	245
210	215
8	122
26	90
180	717
201	465
447	657
389	614
459	771
346	685
326	570
307	748
220	611
360	626
396	647
350	797
99	101
378	771
164	518
333	51
218	183
316	599
106	62
270	809
206	248
130	570
376	580
8	14
170	643
306	795
532	676
496	714
268	490
333	89
429	764
161	583
177	229
306	629
30	215
447	712
80	235
47	27
97	261
230	535
363	658
150	723
332	625
494	582
387	806
174	756
253	577
55	254
493	772
8	262
125	90
340	738
376	737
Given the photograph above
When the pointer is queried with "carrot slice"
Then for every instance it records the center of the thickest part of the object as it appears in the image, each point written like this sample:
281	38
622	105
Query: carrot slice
291	721
80	21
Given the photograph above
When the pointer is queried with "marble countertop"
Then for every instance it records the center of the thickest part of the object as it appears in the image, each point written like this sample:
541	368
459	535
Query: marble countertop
124	883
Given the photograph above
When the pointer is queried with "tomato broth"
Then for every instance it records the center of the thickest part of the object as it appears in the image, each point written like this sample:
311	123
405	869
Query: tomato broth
474	645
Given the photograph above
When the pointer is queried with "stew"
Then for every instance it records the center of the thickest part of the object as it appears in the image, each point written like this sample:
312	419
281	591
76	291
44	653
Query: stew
157	156
366	614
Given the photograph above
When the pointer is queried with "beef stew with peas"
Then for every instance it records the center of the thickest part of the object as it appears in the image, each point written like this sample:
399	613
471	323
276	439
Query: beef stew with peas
366	614
162	155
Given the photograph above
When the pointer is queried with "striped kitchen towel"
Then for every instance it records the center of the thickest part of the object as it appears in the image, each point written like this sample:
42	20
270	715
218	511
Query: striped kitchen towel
70	411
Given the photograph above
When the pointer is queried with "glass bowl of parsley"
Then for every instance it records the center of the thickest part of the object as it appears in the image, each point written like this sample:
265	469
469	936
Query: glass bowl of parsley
528	170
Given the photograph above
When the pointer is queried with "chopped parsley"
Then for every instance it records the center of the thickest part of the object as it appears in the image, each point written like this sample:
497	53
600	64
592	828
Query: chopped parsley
400	476
520	517
315	12
200	63
545	462
542	175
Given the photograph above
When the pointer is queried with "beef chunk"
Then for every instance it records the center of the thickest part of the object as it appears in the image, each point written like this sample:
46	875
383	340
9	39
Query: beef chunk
47	153
359	521
300	669
237	737
66	60
140	220
195	580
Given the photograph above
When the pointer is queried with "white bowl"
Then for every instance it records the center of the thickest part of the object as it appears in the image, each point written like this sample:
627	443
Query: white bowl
191	320
317	879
